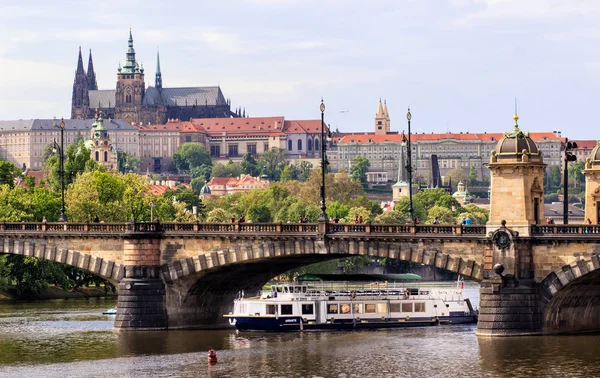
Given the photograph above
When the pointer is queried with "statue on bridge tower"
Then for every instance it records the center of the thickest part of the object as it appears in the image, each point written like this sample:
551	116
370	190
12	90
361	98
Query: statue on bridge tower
592	186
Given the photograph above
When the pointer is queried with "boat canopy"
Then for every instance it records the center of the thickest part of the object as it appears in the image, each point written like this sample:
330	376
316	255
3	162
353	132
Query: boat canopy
361	277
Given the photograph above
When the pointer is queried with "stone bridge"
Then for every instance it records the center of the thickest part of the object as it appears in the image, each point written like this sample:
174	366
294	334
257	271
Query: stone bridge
186	275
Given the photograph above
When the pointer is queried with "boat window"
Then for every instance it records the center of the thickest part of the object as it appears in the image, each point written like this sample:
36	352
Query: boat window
308	309
271	309
297	289
382	308
304	289
278	288
420	307
407	307
369	308
286	309
394	307
344	308
332	308
357	308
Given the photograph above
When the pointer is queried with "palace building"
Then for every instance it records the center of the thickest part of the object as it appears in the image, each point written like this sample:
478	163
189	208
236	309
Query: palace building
132	102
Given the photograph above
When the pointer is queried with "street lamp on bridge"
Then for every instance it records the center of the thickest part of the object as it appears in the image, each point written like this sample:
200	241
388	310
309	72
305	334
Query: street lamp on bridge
61	171
569	156
409	170
323	216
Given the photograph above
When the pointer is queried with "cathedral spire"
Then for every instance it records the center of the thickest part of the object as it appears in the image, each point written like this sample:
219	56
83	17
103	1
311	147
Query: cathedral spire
80	70
91	75
130	65
158	78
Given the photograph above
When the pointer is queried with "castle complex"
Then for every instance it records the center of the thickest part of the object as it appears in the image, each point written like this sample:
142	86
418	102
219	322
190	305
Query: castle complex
132	102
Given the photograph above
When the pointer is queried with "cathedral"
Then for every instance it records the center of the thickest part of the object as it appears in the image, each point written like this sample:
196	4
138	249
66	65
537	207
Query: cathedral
132	102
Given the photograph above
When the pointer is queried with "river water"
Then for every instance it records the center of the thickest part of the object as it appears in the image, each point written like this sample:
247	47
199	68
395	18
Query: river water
70	338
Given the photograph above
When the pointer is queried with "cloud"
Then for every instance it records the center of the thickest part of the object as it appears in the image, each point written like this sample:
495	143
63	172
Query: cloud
489	10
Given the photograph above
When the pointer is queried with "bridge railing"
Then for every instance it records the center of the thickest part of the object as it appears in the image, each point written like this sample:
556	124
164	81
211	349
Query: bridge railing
565	229
240	228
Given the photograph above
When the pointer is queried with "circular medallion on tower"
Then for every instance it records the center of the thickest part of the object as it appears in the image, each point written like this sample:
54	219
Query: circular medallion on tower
516	144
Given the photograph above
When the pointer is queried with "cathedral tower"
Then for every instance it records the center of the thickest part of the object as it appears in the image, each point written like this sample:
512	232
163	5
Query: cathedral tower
158	77
91	75
80	102
382	119
130	87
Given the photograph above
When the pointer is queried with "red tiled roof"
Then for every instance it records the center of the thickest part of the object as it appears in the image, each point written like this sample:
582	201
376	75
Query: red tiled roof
37	176
237	125
222	181
159	190
169	126
485	137
310	126
585	144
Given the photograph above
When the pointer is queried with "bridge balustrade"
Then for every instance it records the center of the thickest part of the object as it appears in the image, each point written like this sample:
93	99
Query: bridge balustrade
565	229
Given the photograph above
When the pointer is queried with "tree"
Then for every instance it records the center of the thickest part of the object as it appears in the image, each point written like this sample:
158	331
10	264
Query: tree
437	196
555	177
337	210
77	159
456	174
271	163
358	171
443	215
304	170
197	184
217	216
128	162
249	165
419	210
190	155
473	175
360	212
288	173
8	173
576	172
204	172
258	213
391	217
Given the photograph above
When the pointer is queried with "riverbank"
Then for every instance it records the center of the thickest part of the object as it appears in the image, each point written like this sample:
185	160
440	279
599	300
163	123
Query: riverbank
54	292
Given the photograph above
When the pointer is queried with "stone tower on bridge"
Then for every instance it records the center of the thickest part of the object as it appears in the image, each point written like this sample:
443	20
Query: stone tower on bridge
592	186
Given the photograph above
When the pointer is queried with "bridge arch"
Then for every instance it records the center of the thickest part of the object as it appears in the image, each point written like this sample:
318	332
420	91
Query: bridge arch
571	297
109	270
200	289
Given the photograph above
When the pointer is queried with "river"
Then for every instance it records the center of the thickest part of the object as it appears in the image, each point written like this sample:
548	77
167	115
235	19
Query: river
70	338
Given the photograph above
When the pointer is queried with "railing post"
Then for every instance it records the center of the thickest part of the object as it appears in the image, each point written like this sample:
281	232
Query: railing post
3	226
458	230
368	227
413	228
278	227
86	226
44	226
322	227
196	226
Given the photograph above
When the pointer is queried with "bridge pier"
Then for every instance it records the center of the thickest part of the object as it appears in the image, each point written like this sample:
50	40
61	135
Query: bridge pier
142	292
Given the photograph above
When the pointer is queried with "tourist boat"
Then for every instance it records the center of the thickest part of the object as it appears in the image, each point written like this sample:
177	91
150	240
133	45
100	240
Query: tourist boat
323	305
110	311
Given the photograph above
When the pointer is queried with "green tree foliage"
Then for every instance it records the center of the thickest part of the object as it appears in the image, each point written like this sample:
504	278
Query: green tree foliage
77	160
443	214
32	275
438	196
8	173
337	210
555	177
359	168
217	215
288	173
457	175
304	170
258	213
359	212
204	172
272	162
249	165
576	172
128	162
477	214
419	209
191	155
186	196
473	175
197	183
391	217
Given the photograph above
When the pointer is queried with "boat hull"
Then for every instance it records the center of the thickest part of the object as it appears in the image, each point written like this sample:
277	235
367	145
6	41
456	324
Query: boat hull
286	324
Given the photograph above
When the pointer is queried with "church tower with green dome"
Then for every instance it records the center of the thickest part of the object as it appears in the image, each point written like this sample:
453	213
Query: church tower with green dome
101	148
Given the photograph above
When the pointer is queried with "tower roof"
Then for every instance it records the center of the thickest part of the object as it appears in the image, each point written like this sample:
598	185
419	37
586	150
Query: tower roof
516	144
380	113
91	75
130	66
385	110
594	159
80	69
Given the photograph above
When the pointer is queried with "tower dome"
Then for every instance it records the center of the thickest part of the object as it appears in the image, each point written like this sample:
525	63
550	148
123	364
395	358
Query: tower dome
205	189
515	145
594	159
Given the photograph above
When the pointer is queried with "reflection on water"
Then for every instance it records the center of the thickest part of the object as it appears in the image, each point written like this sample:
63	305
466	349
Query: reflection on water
71	338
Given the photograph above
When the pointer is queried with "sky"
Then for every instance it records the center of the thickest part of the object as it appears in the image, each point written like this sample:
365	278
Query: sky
458	64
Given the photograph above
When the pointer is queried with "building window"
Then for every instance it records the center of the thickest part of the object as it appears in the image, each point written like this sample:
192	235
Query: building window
299	144
232	150
289	145
97	156
188	138
105	156
251	148
317	148
215	151
266	147
309	144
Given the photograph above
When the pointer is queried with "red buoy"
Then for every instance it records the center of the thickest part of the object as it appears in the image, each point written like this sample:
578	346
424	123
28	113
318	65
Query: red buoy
212	356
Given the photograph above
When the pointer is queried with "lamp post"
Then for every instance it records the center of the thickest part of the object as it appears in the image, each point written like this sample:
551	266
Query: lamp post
61	172
569	156
323	216
409	170
151	204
